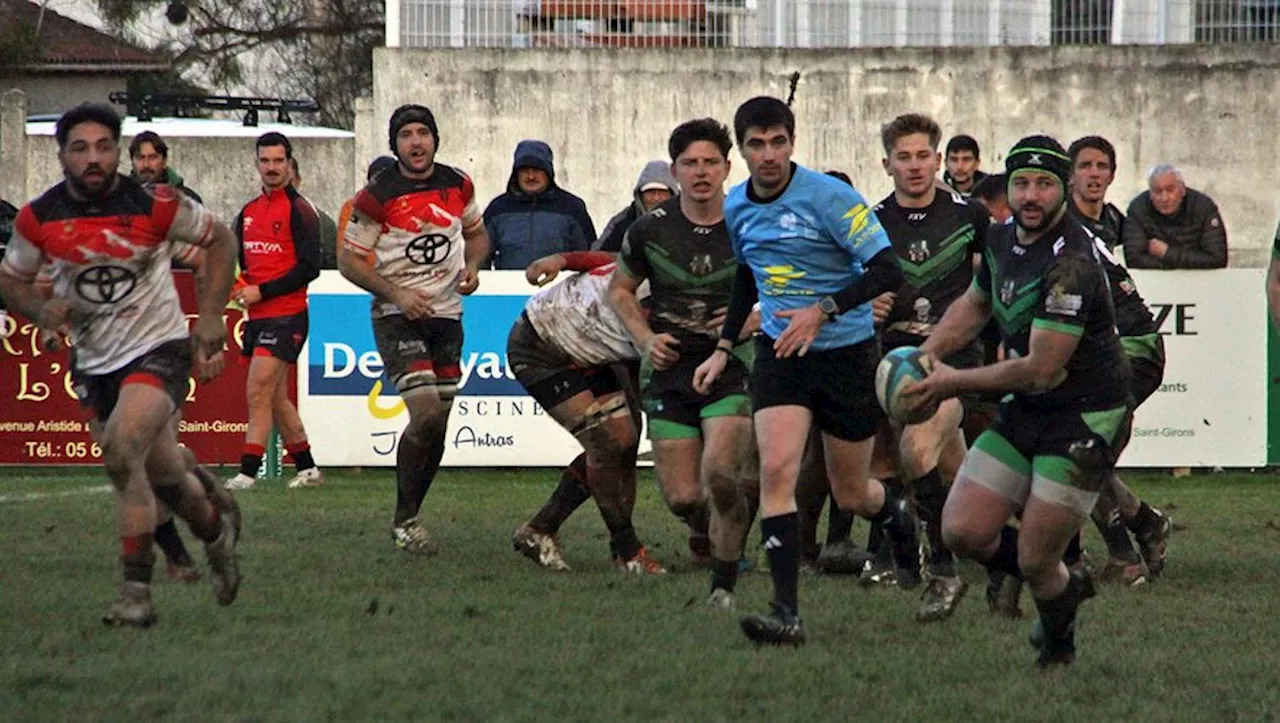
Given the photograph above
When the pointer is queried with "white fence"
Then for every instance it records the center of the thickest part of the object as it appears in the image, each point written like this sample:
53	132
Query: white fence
823	23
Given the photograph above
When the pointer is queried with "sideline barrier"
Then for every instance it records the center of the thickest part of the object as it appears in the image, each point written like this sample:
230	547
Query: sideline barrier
1211	411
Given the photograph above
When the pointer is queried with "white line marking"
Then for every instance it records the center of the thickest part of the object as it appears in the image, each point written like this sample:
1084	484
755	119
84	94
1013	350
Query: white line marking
34	496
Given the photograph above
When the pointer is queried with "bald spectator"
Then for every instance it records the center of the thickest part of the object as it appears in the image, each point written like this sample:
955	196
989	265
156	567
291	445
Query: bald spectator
1171	226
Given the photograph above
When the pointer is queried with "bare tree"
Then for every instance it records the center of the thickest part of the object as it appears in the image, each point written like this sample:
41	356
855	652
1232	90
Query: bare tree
318	49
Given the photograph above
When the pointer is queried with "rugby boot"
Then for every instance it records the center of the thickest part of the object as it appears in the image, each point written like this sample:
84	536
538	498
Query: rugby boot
412	537
941	598
541	548
132	607
1153	542
779	626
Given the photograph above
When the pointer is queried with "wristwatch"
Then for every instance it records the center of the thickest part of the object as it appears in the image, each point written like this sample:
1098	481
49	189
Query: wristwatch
829	307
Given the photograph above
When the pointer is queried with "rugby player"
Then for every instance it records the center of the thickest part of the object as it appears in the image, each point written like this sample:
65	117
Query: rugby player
109	242
572	354
415	240
811	249
279	235
701	437
1055	441
936	236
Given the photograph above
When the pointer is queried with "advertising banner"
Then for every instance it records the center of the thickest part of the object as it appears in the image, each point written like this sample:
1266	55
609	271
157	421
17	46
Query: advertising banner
42	422
353	416
1212	409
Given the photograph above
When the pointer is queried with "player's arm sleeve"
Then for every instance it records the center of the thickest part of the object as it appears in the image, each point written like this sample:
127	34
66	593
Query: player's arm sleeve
742	299
1071	292
632	259
187	255
882	273
304	222
364	223
192	223
471	216
586	260
854	225
981	224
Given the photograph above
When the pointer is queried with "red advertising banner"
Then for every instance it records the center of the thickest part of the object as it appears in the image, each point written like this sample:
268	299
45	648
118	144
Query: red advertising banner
42	422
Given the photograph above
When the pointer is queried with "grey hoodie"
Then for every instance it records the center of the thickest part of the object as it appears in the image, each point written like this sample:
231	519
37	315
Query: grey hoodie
654	172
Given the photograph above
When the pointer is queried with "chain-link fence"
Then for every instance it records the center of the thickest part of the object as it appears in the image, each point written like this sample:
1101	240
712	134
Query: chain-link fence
825	23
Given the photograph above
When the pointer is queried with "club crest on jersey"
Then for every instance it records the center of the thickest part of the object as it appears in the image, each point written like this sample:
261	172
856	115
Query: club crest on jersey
1006	292
428	249
918	251
922	308
105	284
700	264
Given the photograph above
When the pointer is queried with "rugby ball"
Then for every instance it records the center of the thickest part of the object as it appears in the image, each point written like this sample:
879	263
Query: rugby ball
899	369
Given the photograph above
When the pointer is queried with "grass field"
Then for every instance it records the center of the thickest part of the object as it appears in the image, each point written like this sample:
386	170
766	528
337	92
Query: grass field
332	623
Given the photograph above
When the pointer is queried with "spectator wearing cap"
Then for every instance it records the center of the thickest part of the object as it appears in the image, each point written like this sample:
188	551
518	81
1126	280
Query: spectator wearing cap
535	217
149	155
962	159
655	185
1171	226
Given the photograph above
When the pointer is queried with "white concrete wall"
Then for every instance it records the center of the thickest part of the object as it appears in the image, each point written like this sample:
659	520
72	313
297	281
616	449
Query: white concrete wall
56	92
1210	110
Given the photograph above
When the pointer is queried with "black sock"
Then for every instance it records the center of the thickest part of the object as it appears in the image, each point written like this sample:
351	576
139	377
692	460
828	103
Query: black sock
1072	554
170	543
622	534
1059	614
417	462
698	517
1145	520
1119	546
900	528
724	575
875	537
931	495
249	464
782	543
568	496
137	557
302	460
1006	558
839	523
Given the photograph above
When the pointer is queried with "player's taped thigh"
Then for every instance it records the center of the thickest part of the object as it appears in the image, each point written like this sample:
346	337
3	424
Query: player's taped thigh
994	463
419	382
599	412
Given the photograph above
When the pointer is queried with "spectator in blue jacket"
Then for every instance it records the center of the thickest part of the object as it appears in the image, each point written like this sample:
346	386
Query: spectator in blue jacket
535	217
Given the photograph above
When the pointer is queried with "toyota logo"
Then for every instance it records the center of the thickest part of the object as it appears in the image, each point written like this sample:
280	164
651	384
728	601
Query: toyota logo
105	284
432	248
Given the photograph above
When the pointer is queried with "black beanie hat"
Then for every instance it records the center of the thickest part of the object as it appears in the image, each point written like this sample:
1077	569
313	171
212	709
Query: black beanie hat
1039	153
411	113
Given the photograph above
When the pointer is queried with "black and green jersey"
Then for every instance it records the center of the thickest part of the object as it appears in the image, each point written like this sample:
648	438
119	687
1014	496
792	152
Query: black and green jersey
690	269
1108	229
935	247
1058	284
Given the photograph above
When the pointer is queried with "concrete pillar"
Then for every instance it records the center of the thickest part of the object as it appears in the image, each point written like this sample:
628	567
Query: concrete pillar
367	146
13	147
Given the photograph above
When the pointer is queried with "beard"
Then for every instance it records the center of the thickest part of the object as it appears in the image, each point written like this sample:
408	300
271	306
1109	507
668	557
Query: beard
86	189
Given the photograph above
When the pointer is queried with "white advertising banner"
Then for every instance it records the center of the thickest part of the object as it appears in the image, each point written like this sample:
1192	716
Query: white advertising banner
1212	409
354	418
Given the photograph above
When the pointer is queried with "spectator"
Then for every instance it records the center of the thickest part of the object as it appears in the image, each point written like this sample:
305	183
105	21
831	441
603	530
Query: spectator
654	186
535	217
150	157
328	227
963	159
993	195
1171	226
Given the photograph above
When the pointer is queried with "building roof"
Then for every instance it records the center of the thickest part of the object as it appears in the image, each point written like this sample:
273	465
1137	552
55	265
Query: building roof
200	128
67	45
